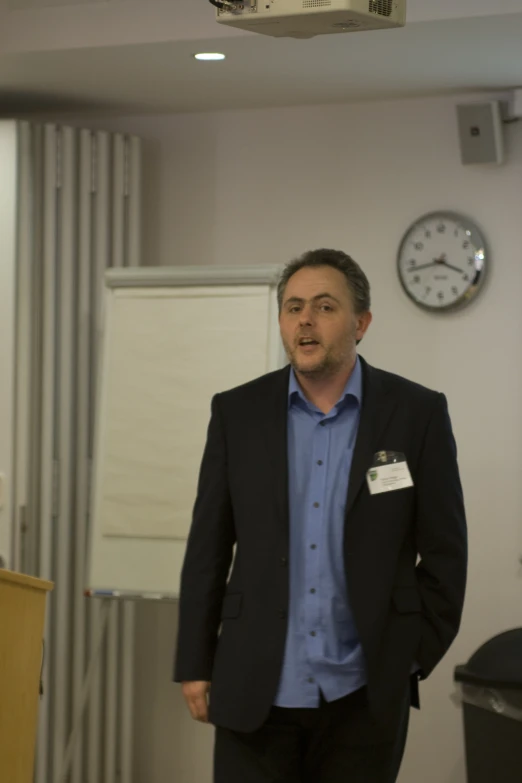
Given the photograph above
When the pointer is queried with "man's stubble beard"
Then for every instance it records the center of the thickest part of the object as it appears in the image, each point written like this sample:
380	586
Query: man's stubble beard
328	366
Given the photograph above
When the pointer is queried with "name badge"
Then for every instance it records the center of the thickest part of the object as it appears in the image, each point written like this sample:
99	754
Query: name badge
389	473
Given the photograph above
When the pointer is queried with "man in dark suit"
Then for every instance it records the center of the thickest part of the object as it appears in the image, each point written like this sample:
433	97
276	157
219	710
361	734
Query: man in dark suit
338	484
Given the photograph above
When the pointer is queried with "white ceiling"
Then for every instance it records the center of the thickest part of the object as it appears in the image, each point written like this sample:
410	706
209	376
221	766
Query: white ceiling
154	74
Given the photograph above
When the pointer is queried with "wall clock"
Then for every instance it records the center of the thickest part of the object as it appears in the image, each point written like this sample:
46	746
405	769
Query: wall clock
442	261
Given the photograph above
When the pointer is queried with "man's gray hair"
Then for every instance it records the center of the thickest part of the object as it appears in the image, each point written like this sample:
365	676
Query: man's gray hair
356	279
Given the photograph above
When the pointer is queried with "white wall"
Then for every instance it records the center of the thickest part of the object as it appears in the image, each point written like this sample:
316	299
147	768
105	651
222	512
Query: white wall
262	186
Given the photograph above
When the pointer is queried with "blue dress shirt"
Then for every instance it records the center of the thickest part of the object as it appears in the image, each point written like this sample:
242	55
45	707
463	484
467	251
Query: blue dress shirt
323	652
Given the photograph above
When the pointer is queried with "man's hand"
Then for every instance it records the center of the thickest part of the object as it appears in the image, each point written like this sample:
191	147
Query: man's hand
196	696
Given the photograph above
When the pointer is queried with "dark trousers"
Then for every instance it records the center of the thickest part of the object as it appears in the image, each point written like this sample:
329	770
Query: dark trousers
337	743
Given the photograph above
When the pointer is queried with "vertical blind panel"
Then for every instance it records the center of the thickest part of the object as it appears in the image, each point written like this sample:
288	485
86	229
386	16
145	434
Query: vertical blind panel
127	609
33	515
47	425
83	333
67	223
23	559
8	264
102	221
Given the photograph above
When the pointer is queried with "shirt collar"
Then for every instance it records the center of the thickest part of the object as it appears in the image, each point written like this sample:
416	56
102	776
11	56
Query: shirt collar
352	389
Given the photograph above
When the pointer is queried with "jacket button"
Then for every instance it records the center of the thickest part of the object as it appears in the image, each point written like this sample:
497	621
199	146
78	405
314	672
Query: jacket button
283	615
284	561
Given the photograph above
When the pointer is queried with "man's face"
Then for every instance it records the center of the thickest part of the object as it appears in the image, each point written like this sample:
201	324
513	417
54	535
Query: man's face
319	327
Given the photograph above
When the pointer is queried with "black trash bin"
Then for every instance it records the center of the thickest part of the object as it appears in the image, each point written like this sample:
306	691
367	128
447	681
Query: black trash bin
491	684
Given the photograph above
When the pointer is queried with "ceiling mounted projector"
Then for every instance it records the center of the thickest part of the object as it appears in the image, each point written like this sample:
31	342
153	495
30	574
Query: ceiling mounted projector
308	18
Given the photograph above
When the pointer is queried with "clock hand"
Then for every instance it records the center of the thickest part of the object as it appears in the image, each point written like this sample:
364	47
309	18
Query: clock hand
454	268
423	266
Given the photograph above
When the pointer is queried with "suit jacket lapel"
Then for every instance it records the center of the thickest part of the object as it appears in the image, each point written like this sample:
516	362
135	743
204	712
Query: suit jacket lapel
377	410
276	438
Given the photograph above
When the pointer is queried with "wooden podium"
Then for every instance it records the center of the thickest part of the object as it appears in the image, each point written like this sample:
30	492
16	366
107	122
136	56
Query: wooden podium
22	615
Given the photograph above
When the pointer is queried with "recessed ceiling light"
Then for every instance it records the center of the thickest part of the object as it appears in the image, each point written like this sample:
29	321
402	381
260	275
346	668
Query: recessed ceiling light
209	56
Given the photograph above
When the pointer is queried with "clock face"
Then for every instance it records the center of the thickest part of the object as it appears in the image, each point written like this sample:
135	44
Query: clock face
442	261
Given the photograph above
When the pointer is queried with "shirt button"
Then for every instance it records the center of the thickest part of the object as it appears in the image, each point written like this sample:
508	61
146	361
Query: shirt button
313	546
316	505
313	591
313	633
322	423
319	461
311	680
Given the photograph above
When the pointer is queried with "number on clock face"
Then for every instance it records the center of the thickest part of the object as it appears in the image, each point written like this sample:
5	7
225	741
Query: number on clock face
441	261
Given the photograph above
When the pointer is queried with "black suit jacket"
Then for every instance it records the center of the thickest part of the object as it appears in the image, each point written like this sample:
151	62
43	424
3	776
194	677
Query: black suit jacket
405	551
